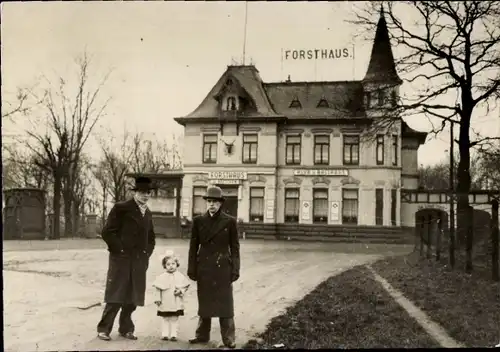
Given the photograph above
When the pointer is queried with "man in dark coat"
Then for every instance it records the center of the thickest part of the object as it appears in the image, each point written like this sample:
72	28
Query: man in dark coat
130	237
214	263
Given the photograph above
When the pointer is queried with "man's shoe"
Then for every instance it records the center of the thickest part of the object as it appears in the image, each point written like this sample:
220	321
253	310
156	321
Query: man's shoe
129	335
103	336
197	340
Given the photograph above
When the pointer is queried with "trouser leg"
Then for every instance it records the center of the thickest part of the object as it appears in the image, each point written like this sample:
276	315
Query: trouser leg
227	330
203	329
108	317
174	323
126	323
165	327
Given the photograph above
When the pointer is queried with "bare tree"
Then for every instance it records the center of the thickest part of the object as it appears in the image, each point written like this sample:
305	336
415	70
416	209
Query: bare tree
437	177
114	165
154	155
132	153
490	167
70	118
20	169
452	51
22	103
100	173
82	195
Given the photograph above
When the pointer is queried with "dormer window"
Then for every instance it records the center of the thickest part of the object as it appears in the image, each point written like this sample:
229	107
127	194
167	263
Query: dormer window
381	97
231	104
295	103
323	103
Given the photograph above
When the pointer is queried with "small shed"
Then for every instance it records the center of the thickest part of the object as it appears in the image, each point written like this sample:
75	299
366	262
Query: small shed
24	214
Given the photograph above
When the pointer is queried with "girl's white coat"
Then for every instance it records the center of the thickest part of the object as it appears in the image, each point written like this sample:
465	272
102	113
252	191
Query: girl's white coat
165	285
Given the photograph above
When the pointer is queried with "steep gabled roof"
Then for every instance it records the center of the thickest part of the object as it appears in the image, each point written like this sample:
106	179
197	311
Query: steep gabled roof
249	80
345	99
381	68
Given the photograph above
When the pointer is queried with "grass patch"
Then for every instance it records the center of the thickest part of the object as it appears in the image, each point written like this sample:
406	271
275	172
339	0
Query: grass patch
466	306
350	310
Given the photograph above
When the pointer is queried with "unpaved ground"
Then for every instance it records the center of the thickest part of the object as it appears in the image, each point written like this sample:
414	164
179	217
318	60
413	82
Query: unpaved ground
42	290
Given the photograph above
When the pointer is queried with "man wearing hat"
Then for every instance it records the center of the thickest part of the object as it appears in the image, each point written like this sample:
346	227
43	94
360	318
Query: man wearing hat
214	263
130	237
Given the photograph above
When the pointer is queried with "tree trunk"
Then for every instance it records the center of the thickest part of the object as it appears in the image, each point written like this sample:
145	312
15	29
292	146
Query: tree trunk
464	213
76	217
57	207
68	213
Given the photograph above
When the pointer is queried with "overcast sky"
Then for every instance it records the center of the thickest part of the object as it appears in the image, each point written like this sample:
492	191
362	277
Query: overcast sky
166	56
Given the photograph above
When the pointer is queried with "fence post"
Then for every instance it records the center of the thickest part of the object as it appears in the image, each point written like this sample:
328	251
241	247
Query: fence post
494	240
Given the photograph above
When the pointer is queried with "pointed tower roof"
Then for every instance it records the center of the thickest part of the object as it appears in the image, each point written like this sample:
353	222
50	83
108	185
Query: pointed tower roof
381	67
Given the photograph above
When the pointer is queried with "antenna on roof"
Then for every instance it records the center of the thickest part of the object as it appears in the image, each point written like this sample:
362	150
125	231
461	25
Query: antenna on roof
245	32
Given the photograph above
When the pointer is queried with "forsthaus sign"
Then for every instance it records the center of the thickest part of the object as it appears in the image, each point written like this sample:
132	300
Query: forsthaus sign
316	54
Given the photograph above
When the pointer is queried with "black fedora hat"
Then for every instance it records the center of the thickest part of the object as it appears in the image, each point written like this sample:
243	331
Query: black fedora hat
214	192
143	183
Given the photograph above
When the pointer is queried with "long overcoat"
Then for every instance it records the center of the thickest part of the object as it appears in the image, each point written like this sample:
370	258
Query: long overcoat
214	261
131	240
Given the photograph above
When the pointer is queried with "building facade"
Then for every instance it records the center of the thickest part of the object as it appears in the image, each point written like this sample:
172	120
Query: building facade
303	153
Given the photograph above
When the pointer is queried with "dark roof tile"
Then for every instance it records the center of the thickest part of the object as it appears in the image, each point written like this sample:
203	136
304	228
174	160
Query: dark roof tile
345	99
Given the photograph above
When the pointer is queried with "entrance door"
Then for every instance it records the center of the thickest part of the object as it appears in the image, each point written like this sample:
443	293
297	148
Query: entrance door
230	206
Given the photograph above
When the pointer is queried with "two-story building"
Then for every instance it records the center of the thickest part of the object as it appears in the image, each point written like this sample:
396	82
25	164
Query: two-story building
303	154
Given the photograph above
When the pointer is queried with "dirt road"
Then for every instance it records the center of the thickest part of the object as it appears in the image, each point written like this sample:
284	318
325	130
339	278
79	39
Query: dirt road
43	290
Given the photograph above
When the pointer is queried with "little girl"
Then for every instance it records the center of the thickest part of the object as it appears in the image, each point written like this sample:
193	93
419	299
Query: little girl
171	287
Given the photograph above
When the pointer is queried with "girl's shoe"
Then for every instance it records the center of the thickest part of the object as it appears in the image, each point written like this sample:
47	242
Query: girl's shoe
164	338
173	338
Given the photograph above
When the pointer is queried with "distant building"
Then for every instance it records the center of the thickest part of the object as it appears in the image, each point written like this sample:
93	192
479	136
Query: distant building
292	157
294	153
